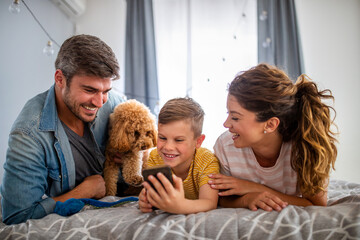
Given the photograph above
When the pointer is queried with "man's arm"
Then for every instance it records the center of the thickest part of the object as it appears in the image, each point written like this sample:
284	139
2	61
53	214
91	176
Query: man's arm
25	179
92	187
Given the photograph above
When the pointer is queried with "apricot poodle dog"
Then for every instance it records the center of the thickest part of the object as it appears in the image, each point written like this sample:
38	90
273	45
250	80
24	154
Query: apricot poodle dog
132	132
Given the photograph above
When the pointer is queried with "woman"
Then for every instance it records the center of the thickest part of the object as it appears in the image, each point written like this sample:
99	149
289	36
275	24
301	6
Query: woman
279	148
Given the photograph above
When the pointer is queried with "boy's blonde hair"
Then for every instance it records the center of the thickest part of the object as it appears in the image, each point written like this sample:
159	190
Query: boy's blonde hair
186	109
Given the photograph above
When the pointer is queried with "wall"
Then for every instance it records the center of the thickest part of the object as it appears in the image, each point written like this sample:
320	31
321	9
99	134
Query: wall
330	34
107	20
24	70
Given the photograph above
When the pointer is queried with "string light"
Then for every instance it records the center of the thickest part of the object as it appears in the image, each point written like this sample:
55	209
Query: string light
266	43
14	7
48	49
263	16
242	19
157	109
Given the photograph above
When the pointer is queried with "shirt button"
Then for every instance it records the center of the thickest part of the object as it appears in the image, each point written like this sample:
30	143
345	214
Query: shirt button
60	176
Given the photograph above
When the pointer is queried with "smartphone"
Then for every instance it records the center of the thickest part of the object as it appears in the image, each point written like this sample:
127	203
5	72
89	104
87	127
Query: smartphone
164	169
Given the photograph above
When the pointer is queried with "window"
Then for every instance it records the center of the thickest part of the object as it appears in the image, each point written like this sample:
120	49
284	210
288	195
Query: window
201	45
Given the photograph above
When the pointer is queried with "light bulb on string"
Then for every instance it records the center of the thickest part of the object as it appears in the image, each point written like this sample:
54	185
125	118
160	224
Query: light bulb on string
48	49
266	43
14	7
156	110
263	16
243	19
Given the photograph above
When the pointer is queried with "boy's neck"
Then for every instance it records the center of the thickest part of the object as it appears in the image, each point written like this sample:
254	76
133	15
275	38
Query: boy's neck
182	170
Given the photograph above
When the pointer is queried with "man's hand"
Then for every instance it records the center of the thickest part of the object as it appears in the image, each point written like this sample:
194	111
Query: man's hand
95	184
92	187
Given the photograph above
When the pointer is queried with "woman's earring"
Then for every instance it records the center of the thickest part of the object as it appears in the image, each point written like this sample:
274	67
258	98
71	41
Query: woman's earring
265	132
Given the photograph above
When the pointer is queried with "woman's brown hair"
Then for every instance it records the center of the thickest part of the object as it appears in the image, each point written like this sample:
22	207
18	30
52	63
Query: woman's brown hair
304	119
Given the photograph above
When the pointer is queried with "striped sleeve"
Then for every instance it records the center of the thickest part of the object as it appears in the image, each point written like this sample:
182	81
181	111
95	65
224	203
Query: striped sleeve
209	163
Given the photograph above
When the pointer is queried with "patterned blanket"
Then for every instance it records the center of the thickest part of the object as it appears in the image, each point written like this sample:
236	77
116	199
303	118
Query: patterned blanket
339	220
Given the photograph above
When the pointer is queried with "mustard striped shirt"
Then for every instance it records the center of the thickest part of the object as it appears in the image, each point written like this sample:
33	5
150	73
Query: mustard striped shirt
204	163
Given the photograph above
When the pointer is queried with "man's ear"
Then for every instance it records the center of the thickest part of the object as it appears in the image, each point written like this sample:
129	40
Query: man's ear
272	124
60	79
199	140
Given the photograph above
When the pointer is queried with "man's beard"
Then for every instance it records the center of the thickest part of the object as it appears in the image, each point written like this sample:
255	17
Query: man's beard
73	106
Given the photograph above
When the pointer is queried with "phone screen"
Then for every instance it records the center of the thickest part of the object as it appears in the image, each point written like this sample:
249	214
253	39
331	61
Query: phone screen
164	169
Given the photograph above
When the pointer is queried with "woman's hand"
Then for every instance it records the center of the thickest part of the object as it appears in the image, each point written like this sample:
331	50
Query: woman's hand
165	196
262	200
144	204
231	185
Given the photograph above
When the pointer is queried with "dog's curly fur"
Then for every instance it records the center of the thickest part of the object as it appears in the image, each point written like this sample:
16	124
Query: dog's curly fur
132	132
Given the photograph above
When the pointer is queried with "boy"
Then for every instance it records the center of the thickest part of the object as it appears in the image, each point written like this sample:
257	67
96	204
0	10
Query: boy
178	146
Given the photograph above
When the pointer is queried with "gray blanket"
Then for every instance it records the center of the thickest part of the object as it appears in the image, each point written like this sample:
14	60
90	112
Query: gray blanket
339	220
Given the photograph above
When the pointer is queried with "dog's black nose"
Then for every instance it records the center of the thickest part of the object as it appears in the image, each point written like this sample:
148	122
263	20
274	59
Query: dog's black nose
143	147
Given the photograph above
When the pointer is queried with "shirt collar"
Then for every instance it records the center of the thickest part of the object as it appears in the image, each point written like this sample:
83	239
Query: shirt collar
48	117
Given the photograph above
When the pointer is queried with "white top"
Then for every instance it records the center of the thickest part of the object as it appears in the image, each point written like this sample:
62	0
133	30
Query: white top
241	163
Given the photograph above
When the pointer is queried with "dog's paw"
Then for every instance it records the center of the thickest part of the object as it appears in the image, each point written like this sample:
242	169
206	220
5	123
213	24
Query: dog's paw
136	180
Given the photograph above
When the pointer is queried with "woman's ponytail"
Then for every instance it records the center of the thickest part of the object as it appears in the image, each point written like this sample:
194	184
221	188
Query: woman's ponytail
314	151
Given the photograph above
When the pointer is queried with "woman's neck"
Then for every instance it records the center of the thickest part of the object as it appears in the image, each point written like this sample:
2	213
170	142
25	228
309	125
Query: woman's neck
267	153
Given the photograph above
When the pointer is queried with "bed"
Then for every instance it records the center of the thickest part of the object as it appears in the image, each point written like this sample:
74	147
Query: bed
340	220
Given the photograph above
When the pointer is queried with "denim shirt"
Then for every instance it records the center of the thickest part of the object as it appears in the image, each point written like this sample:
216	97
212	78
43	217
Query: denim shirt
39	163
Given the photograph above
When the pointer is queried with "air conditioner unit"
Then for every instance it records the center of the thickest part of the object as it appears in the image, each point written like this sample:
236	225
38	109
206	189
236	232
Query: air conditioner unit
72	8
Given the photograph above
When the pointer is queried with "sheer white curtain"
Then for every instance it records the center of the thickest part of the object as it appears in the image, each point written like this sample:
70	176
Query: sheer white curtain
201	45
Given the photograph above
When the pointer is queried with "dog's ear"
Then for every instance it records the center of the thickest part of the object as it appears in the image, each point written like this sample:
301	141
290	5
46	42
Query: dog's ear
154	139
118	139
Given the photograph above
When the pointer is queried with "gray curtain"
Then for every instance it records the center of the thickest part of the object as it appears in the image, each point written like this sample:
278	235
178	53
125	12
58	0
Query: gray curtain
140	57
278	38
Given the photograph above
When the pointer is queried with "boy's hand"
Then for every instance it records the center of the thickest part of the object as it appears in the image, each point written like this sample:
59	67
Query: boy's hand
166	197
231	185
144	204
262	200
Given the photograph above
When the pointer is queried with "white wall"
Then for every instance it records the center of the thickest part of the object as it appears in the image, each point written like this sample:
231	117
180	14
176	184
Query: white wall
330	33
107	20
24	70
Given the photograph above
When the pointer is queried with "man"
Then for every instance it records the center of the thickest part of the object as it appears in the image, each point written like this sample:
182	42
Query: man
57	143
